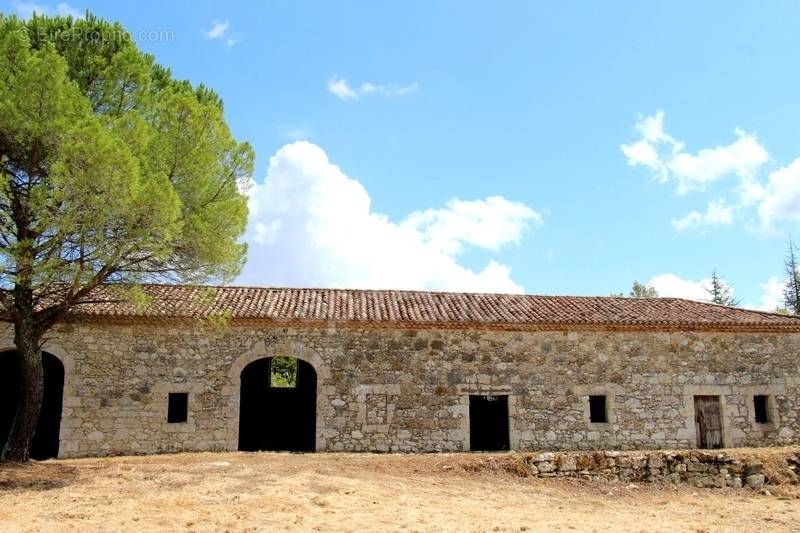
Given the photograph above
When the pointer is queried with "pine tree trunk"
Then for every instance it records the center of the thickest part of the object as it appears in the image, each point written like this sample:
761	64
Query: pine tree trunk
31	378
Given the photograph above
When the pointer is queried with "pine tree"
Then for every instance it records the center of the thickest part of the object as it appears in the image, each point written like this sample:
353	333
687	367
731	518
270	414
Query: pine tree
112	171
640	290
720	291
791	288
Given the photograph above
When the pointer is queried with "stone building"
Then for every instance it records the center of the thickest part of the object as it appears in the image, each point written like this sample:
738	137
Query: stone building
395	371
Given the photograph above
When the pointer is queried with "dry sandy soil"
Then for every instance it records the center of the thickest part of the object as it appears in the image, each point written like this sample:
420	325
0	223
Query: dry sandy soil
350	492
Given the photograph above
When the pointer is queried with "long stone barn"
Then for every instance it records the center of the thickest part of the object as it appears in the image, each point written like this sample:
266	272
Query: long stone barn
234	368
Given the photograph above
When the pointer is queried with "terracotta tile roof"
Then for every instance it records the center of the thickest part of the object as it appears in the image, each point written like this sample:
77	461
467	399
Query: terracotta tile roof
420	309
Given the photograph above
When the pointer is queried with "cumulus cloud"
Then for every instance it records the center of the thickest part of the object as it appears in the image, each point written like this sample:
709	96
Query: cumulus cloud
776	198
26	10
344	91
780	198
654	146
772	297
670	285
490	224
667	158
717	213
310	224
742	158
219	31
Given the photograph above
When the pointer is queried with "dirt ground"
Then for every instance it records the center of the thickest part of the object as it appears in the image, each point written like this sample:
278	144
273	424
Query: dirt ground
359	492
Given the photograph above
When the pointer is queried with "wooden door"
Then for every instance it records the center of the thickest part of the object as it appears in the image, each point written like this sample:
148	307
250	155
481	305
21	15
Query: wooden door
708	421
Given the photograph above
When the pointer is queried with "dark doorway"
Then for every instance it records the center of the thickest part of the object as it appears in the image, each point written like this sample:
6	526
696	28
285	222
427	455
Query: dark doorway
708	422
488	423
274	415
45	440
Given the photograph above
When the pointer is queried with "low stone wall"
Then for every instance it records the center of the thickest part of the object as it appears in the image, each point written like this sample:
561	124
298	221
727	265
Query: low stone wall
697	468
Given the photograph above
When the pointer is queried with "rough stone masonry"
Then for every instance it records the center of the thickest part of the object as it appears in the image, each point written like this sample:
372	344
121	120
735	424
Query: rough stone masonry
397	371
699	468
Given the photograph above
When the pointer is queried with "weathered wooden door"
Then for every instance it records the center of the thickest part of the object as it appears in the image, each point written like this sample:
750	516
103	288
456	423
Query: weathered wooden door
708	421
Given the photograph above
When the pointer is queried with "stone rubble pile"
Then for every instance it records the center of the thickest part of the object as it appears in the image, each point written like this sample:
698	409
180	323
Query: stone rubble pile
696	468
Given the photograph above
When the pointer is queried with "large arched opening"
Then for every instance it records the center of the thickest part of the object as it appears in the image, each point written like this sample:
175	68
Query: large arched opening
278	405
45	439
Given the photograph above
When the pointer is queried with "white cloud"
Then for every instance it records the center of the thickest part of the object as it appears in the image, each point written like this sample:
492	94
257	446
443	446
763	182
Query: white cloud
491	223
26	10
750	191
691	220
341	89
667	158
654	146
670	285
219	31
344	91
311	225
389	91
772	297
266	233
742	158
780	198
717	214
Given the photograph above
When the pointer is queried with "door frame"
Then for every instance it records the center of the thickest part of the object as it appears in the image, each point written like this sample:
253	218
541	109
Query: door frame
507	421
698	434
231	392
276	397
689	431
461	410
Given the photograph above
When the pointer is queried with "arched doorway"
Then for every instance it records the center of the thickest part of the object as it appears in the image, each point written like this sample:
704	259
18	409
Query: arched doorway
278	405
45	440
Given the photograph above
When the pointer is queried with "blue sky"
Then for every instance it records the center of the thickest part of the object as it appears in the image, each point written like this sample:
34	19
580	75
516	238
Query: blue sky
562	148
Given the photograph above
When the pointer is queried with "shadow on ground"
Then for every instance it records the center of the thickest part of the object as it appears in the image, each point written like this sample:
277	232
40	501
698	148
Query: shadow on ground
35	475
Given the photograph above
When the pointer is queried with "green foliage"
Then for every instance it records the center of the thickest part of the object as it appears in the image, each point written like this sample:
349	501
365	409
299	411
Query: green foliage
134	294
219	320
283	372
111	170
640	290
720	292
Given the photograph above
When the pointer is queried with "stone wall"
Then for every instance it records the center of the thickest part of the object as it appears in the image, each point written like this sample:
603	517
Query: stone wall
711	469
408	390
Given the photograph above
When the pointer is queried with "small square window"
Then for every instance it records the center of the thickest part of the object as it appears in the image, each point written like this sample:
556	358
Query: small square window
761	404
177	407
597	410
